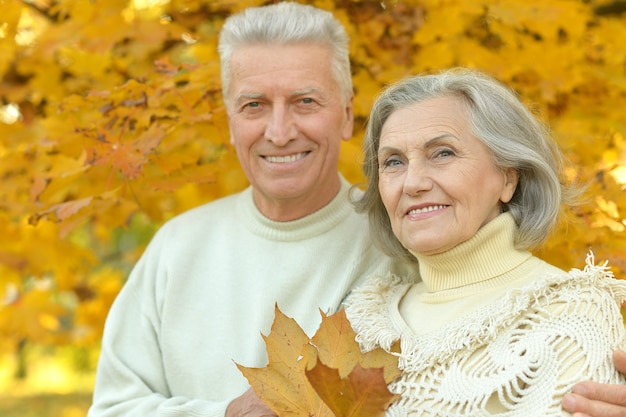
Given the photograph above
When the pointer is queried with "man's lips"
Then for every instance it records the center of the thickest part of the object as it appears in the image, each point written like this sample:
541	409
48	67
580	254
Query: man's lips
285	158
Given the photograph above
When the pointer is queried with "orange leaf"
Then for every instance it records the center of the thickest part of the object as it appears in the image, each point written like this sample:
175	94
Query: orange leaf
62	210
362	393
129	157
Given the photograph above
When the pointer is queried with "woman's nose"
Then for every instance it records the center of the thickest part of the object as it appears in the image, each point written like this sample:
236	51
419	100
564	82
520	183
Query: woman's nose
417	179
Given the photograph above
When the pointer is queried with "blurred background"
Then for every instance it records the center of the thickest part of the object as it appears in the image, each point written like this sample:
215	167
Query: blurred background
111	122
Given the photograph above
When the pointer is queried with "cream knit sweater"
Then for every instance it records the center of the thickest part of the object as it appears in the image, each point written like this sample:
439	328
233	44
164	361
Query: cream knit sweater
492	330
204	292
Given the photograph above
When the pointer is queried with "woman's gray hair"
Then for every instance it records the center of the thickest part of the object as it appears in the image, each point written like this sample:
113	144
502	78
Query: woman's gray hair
498	119
286	23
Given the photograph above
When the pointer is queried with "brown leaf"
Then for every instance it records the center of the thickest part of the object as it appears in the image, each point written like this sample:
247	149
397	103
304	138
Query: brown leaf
363	393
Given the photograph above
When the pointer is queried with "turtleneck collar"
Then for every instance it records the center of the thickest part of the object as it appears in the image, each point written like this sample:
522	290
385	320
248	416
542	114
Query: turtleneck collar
483	259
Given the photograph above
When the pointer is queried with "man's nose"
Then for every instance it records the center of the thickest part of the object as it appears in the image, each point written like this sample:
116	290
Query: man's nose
281	128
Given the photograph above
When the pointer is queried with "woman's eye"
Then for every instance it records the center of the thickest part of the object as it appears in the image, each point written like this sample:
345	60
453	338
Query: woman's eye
391	162
444	153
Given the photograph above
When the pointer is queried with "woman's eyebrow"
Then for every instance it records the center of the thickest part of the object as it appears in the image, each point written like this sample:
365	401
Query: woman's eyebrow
440	138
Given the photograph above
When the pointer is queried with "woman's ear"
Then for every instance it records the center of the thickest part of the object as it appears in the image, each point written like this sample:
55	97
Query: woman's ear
511	178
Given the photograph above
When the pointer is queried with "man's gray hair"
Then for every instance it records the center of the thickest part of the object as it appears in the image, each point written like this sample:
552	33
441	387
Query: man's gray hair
286	23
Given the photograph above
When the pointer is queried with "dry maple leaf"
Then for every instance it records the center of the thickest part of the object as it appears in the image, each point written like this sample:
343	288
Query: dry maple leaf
324	376
363	392
336	347
282	385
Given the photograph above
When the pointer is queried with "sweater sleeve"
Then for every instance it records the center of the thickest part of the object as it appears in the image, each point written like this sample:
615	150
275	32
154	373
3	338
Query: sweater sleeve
131	379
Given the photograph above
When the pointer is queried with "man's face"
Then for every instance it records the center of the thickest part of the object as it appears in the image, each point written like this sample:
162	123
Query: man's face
287	119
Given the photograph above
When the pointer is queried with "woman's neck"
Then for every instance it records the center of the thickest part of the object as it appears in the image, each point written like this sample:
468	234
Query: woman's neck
489	254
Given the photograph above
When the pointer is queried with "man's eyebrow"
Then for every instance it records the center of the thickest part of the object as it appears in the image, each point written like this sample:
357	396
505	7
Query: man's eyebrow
305	91
248	96
258	96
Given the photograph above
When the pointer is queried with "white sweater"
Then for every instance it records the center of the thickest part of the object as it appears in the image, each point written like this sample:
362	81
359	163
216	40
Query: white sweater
205	290
492	330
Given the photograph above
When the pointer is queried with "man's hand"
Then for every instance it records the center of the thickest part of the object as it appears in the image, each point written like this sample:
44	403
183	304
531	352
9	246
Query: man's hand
248	405
591	399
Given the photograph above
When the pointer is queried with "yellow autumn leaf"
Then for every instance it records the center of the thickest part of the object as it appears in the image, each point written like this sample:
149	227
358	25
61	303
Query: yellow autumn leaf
283	385
323	376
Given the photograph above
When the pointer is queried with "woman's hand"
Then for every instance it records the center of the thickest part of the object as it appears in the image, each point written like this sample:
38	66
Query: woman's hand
592	399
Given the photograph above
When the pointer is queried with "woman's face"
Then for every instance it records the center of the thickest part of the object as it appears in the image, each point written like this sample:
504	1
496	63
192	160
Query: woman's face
437	181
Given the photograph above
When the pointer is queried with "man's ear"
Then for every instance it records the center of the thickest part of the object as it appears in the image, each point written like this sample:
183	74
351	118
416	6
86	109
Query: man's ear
348	126
230	131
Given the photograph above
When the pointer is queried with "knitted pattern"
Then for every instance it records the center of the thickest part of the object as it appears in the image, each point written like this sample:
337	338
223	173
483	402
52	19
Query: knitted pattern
515	357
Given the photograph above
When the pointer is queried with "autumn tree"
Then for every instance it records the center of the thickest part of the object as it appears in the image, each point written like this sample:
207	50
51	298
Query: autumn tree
112	122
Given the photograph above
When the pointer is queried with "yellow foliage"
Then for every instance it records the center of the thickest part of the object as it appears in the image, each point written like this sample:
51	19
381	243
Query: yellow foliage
96	300
121	118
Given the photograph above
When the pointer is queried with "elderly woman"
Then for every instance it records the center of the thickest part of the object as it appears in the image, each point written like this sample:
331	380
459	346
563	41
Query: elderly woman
463	182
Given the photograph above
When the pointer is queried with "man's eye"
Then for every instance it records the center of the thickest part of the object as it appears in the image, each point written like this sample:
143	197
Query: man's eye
307	100
251	107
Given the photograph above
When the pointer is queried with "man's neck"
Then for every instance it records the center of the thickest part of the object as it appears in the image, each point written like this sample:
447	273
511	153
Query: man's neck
294	209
